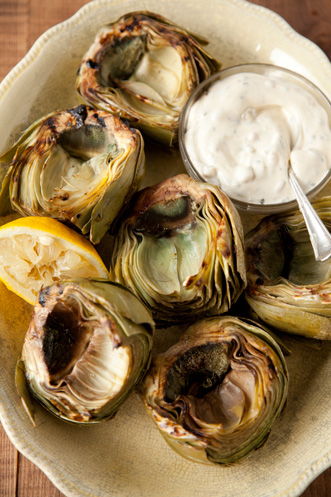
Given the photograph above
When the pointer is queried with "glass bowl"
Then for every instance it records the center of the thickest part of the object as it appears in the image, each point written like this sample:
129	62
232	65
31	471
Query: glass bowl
268	70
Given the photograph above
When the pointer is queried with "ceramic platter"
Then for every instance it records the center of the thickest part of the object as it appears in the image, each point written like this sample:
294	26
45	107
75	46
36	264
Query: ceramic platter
126	456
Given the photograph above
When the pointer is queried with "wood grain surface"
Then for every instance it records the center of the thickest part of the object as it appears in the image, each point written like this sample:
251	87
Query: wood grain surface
21	23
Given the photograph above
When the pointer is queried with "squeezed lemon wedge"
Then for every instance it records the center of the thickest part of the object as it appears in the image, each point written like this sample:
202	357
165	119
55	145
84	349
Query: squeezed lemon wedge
37	251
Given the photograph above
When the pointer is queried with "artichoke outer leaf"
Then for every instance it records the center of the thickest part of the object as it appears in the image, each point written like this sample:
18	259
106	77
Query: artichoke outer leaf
292	320
122	189
6	169
23	391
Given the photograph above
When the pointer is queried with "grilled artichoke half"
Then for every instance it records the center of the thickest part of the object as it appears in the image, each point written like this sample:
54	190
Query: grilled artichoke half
79	166
144	68
287	288
180	250
88	345
215	394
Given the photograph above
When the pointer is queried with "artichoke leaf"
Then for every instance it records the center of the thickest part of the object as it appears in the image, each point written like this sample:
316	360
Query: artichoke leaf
156	264
23	391
123	186
161	67
6	168
288	318
168	263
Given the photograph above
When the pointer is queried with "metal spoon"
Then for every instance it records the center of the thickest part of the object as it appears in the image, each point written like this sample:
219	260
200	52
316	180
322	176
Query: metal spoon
319	235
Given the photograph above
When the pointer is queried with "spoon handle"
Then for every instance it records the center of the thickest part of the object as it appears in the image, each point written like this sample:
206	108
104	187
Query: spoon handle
319	235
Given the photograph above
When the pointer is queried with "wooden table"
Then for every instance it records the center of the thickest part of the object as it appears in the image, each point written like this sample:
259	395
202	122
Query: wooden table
21	23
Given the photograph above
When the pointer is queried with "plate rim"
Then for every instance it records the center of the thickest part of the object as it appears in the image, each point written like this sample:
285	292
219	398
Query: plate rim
41	41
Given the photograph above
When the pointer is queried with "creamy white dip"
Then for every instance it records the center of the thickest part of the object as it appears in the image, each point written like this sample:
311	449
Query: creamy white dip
242	133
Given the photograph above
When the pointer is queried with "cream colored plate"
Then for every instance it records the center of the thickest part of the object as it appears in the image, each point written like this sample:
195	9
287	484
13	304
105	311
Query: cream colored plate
127	457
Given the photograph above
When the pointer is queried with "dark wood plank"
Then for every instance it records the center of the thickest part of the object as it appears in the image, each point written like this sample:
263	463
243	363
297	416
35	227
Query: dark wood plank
8	466
311	18
321	487
33	482
14	21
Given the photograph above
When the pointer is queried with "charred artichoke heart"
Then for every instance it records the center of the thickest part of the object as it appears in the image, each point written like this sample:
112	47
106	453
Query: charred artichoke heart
87	346
215	394
79	166
179	248
287	288
144	68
